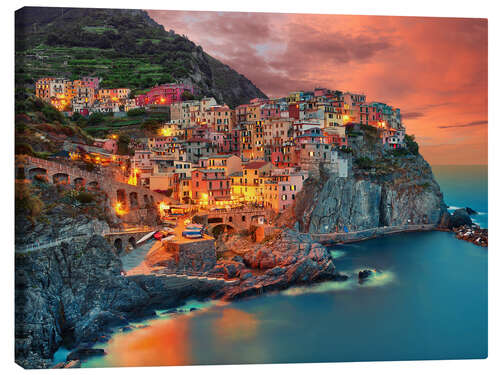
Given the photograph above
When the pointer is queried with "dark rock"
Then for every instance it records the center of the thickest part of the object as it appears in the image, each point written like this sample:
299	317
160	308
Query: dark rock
276	271
396	196
193	309
237	258
246	276
84	353
341	277
458	218
470	211
364	274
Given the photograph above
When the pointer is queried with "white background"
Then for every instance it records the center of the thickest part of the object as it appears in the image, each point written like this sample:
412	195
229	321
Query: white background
477	9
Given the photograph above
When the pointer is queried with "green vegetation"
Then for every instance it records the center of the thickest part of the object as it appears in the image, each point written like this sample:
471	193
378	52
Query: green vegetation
126	48
151	125
364	162
136	112
123	142
28	202
425	185
410	149
411	144
186	95
346	149
85	197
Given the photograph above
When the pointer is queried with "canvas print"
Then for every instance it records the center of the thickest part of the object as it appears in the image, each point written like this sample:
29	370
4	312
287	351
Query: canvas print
196	188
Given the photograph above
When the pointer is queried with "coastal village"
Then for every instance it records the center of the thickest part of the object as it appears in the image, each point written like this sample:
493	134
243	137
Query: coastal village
209	169
149	174
212	156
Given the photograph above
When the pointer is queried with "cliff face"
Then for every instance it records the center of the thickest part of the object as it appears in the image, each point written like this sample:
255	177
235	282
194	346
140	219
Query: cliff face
74	295
69	293
392	190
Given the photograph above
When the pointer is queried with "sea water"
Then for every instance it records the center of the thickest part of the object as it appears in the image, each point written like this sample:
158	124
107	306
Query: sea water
426	300
465	186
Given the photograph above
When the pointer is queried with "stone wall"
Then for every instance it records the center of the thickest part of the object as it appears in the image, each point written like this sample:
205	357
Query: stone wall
194	255
332	238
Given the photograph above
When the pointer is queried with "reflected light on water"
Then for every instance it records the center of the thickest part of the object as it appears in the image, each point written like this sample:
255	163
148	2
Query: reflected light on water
236	324
164	343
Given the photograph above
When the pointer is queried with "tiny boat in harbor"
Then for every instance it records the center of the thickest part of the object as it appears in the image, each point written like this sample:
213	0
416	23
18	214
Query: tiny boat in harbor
160	234
193	231
192	234
145	238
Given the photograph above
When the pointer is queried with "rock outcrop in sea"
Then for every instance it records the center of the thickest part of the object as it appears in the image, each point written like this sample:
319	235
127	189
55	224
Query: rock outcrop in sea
290	258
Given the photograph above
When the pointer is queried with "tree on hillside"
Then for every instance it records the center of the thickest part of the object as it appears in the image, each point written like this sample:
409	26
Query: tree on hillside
187	95
411	144
123	142
95	118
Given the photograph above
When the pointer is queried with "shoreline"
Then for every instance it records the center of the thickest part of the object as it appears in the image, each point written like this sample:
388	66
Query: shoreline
203	290
337	238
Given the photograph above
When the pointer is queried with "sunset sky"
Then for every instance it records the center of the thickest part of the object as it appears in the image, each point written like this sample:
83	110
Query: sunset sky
434	69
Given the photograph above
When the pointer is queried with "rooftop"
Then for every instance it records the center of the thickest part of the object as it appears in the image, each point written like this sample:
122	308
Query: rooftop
255	164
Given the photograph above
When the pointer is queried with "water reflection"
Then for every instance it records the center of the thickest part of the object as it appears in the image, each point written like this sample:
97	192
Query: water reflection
235	324
166	342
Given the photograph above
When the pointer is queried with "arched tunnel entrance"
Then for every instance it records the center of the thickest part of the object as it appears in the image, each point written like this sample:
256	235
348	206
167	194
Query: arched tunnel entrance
132	243
37	172
118	246
60	178
220	229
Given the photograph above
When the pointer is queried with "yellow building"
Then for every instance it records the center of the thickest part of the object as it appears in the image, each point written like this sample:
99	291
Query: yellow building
248	185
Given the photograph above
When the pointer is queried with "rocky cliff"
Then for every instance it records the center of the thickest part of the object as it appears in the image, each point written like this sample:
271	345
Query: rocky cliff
75	294
383	188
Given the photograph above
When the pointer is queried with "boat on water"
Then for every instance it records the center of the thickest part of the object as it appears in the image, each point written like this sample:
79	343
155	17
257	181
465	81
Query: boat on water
161	234
194	227
193	231
170	223
192	234
145	238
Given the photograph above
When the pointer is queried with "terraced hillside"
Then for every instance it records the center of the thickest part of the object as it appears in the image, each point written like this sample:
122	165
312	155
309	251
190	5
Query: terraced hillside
124	47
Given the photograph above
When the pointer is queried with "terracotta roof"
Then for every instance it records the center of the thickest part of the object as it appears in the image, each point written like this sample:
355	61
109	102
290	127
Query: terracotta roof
255	164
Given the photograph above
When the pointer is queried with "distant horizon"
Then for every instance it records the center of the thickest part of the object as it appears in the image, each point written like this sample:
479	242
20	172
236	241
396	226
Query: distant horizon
434	69
458	165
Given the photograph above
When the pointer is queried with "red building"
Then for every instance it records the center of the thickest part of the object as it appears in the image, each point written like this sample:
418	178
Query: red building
231	142
210	185
335	139
294	111
163	95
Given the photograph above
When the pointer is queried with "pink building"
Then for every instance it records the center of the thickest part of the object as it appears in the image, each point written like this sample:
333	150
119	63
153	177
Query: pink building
108	145
92	82
164	94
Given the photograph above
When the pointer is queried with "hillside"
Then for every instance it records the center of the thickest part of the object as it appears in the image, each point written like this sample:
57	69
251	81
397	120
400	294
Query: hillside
124	47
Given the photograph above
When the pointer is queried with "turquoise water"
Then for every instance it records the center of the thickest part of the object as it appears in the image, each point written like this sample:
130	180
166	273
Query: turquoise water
428	300
465	186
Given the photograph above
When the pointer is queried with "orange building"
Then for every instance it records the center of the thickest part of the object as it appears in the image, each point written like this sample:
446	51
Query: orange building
209	186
